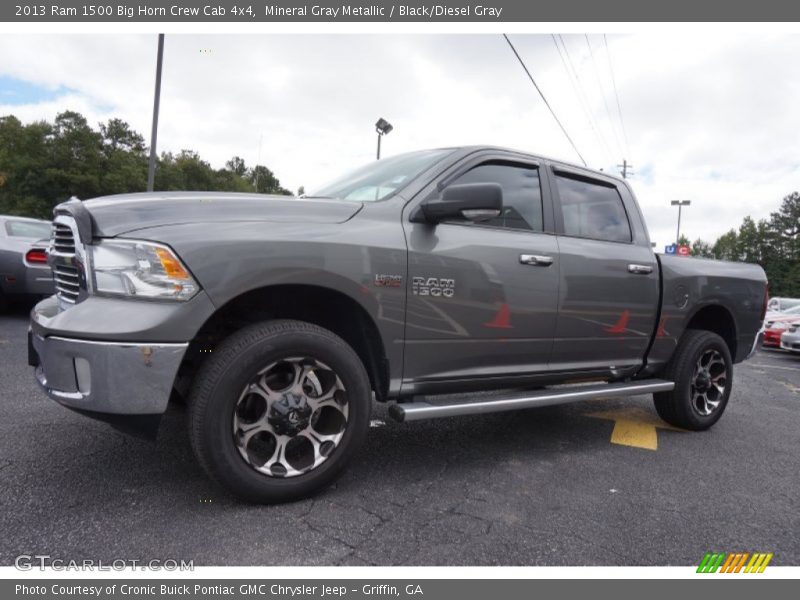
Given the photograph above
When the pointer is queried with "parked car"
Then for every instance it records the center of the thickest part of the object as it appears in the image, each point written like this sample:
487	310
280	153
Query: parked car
775	325
790	340
779	305
280	319
24	271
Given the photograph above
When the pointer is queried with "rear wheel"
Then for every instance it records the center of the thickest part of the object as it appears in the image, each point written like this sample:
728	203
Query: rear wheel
3	302
702	370
279	410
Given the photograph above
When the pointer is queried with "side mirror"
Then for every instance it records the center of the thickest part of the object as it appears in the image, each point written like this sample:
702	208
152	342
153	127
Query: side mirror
470	201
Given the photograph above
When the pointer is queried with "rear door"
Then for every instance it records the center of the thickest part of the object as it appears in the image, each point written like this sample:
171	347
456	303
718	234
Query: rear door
609	278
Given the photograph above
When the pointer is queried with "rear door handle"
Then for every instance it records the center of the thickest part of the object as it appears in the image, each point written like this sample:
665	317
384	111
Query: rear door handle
536	260
640	269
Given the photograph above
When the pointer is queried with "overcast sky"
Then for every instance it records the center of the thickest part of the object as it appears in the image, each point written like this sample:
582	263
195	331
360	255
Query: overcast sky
713	118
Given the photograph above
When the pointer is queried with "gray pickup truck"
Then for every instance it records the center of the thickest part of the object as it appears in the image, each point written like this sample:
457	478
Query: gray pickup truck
446	271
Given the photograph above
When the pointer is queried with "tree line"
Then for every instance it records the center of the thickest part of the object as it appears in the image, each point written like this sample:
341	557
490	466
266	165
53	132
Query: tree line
773	243
43	164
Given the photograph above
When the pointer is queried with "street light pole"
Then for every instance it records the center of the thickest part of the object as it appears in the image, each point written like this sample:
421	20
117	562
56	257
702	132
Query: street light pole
383	127
151	169
680	204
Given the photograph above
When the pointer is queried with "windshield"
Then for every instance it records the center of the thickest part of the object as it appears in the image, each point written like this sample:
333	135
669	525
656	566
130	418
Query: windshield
382	178
28	229
795	310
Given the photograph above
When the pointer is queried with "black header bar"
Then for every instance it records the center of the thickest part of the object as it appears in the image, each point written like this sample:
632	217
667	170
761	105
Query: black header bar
458	11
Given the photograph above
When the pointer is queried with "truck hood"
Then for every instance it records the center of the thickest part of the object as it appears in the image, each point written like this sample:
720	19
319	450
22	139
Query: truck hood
114	215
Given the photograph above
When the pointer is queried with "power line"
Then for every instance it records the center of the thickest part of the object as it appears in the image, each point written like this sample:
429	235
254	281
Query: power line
547	104
573	77
585	99
603	92
616	94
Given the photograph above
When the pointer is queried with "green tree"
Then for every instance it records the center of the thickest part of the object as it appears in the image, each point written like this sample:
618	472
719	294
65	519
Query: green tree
24	157
42	164
265	182
773	243
236	166
77	157
125	155
702	249
727	246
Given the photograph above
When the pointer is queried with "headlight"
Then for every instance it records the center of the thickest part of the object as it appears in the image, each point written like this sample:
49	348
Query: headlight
140	270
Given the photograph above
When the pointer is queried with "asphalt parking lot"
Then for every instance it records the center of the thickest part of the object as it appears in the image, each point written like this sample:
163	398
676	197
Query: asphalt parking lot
536	487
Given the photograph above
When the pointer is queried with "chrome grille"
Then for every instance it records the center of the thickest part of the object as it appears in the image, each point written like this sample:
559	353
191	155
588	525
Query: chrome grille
67	280
63	240
65	262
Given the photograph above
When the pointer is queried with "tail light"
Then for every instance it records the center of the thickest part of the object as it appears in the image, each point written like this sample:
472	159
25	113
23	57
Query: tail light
36	256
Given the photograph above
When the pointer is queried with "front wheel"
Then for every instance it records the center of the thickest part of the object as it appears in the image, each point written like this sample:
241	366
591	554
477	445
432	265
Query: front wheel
278	410
702	370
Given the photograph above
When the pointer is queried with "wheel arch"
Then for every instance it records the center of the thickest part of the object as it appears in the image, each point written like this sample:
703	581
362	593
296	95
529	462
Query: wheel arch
323	306
718	319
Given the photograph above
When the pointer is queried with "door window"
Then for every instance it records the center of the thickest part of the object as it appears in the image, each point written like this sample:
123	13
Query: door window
522	194
592	210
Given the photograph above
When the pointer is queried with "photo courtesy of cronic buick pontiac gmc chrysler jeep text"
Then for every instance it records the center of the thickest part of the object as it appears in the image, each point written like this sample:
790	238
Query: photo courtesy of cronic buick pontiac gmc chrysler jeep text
433	272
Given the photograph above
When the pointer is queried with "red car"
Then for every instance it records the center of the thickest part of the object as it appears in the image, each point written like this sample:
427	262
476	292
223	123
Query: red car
775	327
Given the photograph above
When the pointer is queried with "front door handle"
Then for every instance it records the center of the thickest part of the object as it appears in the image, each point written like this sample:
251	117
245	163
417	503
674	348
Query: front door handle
536	260
640	269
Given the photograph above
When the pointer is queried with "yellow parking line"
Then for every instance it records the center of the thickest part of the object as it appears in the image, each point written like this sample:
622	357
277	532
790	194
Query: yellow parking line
634	427
632	433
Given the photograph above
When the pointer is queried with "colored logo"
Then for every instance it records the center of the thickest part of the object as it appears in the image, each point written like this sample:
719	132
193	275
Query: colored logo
682	250
736	562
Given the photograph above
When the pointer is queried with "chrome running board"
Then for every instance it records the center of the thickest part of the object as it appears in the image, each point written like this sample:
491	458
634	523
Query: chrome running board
420	409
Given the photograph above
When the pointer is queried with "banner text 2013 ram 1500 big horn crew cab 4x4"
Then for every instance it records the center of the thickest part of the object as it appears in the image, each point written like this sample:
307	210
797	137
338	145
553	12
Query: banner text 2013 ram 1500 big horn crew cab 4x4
441	271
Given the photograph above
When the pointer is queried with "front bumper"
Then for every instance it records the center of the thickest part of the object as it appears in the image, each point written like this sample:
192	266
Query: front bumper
106	377
791	342
772	338
125	383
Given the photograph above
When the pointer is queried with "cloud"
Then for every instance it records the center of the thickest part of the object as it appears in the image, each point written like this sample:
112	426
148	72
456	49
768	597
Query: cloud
708	117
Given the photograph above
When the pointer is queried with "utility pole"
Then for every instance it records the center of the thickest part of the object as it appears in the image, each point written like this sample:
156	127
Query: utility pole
680	204
151	171
625	169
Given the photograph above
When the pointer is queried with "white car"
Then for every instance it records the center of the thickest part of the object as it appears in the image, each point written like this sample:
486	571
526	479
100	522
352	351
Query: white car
790	340
776	306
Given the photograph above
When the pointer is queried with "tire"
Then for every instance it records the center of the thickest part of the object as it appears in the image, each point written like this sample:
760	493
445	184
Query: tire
3	302
702	370
285	380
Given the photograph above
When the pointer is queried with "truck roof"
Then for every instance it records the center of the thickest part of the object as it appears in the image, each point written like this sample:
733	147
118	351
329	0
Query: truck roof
465	150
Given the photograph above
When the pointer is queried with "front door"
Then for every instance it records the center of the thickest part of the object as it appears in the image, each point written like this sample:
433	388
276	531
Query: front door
483	297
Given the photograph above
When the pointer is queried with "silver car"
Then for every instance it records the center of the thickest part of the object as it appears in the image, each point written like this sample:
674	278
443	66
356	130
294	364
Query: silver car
790	340
24	271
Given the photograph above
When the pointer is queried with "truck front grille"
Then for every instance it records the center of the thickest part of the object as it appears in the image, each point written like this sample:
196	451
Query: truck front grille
66	260
63	239
67	280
